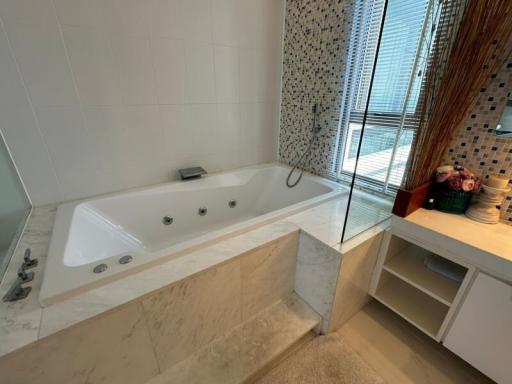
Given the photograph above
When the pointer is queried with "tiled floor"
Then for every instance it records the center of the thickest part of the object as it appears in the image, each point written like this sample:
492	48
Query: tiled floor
395	350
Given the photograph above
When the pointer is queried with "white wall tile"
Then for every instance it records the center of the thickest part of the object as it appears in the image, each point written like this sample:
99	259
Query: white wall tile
170	70
142	135
185	19
83	13
104	95
173	126
259	127
200	75
133	57
188	130
92	63
226	131
88	183
259	23
69	144
106	129
226	15
166	19
129	17
259	80
198	20
226	74
12	93
42	59
30	155
38	12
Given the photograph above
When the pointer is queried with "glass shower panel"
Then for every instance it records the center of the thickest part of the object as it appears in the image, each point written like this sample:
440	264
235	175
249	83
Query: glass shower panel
381	131
14	207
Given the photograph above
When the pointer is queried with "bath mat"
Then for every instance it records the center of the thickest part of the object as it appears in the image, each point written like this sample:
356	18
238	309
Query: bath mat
325	360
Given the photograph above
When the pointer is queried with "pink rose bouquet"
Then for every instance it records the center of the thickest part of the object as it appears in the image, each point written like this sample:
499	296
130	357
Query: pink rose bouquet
457	178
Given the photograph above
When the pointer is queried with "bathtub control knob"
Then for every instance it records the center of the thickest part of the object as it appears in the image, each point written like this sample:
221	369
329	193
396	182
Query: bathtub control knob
202	211
232	203
167	220
100	268
125	259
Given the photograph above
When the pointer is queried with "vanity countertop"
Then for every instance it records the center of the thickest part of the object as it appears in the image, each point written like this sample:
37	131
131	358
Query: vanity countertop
488	247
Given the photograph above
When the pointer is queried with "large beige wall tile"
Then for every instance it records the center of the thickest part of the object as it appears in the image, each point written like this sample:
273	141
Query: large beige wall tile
192	313
111	349
354	281
268	275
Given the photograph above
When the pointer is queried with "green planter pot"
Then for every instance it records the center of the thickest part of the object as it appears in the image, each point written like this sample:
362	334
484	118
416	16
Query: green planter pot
453	201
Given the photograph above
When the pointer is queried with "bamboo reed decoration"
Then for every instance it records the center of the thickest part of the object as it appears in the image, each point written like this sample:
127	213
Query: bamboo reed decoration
481	45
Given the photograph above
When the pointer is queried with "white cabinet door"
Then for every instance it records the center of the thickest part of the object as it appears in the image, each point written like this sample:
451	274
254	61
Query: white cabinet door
482	331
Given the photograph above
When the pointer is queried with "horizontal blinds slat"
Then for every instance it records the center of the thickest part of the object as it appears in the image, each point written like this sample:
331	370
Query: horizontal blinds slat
399	45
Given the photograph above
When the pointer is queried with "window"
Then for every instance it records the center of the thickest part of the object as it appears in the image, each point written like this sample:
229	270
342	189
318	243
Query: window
395	94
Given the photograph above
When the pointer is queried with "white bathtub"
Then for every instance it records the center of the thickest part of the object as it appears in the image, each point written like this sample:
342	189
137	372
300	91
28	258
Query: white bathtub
102	230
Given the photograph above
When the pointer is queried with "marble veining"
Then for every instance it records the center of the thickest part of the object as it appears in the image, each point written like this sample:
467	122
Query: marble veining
325	221
247	348
114	349
268	275
318	266
191	314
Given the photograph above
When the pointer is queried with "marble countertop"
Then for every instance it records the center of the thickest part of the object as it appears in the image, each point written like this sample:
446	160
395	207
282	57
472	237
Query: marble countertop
488	247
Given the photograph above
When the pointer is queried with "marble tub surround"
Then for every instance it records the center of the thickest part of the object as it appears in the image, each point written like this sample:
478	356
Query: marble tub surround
26	321
336	283
165	326
114	348
324	222
353	281
248	348
268	274
318	267
191	314
96	301
21	327
219	299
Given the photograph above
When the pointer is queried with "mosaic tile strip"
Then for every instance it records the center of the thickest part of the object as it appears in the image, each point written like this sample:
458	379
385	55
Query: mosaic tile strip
315	49
475	144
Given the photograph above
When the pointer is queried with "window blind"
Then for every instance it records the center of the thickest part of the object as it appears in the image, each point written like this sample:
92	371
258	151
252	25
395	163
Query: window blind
395	95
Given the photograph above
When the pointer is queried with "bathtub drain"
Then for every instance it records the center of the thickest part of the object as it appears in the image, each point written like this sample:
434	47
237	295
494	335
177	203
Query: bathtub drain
100	268
125	259
167	220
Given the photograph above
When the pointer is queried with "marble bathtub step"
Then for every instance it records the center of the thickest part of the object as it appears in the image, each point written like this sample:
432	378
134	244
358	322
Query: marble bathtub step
248	349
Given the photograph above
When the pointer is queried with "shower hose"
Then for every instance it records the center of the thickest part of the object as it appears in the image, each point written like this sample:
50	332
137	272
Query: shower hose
304	154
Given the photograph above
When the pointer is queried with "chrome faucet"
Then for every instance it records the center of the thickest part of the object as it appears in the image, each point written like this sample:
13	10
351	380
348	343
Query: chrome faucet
17	291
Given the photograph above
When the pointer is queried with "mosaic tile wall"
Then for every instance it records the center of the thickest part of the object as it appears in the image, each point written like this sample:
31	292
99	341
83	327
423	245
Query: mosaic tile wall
315	48
476	146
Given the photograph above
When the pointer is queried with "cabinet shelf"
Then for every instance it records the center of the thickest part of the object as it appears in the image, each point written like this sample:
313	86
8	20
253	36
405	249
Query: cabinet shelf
412	304
408	265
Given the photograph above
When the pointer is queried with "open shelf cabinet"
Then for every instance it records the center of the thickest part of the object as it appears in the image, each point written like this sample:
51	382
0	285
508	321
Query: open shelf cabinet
409	266
411	303
407	286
